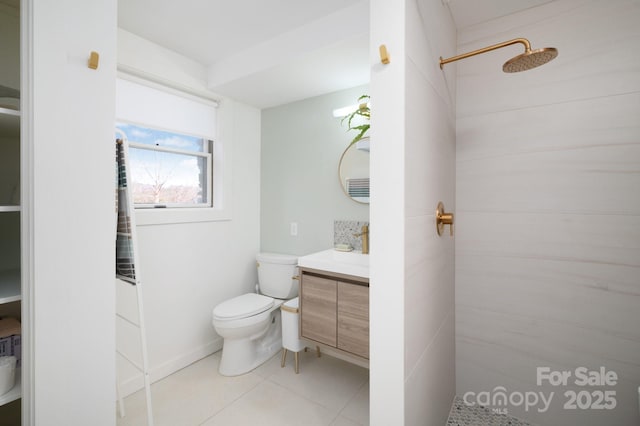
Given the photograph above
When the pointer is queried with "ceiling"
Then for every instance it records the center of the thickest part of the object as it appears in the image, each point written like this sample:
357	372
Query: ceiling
470	12
271	52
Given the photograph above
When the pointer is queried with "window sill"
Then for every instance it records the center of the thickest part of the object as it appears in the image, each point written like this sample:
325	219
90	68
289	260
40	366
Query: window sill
146	217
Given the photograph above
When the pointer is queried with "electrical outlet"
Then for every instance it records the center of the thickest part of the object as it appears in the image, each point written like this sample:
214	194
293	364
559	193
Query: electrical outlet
294	229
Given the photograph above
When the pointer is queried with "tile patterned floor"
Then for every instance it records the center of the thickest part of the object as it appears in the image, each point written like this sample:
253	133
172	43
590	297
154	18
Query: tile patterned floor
464	415
327	392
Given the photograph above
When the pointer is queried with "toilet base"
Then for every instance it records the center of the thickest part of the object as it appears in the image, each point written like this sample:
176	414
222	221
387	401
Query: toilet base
239	356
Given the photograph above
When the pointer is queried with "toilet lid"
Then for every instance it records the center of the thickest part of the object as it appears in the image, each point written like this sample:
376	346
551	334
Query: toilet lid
243	306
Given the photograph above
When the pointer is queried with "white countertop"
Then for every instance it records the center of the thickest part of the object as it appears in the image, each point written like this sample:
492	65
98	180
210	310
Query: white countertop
350	263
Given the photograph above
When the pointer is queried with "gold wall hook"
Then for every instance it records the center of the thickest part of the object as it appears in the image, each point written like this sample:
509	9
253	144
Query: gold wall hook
443	219
384	55
94	59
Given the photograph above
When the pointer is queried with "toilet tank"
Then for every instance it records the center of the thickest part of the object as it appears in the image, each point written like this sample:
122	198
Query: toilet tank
276	274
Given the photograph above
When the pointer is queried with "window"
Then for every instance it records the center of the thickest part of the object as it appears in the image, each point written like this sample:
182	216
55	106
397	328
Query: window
168	169
180	167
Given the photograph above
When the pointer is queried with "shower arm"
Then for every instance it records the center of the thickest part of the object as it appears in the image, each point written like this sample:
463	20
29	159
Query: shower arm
523	41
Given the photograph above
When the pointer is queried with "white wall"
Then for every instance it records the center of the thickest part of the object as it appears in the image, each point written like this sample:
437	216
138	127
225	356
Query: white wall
68	212
138	55
412	371
548	240
301	147
189	268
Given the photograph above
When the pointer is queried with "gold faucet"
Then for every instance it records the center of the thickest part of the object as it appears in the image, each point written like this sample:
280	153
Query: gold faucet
365	238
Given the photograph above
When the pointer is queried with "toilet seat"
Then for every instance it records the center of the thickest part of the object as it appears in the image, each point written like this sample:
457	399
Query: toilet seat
243	306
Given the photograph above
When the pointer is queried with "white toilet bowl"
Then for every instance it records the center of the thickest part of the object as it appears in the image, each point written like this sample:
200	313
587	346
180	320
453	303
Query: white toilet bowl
250	324
248	340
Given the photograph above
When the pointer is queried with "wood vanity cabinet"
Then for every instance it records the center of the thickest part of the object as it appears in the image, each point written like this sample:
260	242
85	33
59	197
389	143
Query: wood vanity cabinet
353	318
334	310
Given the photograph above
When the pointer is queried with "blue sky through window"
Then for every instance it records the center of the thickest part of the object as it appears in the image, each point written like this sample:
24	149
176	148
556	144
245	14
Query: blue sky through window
147	136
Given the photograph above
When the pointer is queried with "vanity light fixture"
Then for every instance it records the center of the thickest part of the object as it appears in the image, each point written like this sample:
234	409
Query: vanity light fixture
344	111
341	112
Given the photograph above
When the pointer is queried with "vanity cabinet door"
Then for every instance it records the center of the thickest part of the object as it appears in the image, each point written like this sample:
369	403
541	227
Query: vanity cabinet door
353	318
318	301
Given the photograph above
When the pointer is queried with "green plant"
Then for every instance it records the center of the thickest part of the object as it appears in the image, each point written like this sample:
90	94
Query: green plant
362	111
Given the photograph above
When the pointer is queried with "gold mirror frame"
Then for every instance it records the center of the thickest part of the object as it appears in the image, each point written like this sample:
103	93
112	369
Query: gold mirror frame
351	149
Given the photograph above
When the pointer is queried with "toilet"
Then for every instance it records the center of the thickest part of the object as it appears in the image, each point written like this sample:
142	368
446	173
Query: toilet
250	324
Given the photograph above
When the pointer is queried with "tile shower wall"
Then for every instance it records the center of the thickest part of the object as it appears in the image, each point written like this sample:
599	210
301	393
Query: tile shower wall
548	208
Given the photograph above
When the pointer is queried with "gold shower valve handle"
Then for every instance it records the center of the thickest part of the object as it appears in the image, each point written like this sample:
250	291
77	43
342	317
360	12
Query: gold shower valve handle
442	219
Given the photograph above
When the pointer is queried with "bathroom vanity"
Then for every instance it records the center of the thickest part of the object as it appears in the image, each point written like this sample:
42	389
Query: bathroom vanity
334	301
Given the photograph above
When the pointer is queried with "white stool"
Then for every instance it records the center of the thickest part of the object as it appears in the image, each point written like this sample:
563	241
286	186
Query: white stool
290	334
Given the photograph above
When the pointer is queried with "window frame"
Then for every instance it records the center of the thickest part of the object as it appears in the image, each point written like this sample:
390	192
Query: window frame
209	175
221	199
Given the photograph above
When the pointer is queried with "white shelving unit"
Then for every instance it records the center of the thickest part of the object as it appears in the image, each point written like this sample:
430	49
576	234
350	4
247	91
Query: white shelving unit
10	180
7	113
10	283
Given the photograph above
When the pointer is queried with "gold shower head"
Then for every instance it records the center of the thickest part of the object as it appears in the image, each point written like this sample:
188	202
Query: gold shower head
530	59
523	62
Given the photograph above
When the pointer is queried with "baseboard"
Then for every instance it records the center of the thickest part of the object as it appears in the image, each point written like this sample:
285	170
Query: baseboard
134	384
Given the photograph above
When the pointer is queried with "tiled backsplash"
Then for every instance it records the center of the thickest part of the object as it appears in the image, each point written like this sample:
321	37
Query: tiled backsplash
343	231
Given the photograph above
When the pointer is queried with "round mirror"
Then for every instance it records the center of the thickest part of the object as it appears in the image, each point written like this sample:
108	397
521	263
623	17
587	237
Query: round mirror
353	171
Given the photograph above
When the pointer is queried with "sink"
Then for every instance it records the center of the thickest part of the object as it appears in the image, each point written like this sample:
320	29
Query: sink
354	257
342	262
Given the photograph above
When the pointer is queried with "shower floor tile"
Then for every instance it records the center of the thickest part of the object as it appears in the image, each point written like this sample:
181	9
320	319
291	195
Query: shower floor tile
465	415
